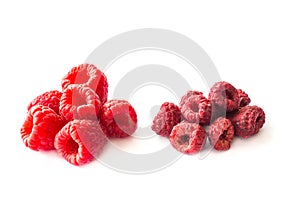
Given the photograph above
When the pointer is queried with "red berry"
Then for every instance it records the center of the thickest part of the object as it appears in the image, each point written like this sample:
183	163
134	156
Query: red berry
225	96
188	138
79	102
50	99
40	127
88	75
221	133
197	109
80	141
248	120
119	117
244	99
189	93
168	116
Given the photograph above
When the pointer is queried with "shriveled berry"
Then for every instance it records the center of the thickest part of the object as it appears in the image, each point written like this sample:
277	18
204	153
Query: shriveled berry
244	98
197	109
189	93
119	117
224	95
248	120
90	76
80	141
220	133
50	99
188	138
79	102
40	127
168	116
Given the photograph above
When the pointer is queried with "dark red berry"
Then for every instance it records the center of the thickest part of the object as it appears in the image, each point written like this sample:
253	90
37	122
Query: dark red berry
79	102
244	98
50	99
197	109
119	117
248	120
224	95
188	138
40	127
189	93
168	116
220	133
80	141
88	75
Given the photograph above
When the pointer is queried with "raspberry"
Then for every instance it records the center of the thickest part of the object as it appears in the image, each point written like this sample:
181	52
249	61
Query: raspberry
224	95
189	93
119	117
80	141
248	120
188	138
244	99
40	127
197	109
168	116
88	75
79	102
50	99
221	133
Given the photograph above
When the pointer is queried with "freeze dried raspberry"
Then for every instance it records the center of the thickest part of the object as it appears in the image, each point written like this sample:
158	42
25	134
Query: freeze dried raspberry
188	138
119	117
248	120
221	133
88	75
168	116
224	95
189	93
244	98
79	102
40	127
50	99
197	109
80	141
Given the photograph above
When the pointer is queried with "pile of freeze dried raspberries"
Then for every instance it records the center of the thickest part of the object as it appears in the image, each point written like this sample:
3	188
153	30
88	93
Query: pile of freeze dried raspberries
78	120
225	113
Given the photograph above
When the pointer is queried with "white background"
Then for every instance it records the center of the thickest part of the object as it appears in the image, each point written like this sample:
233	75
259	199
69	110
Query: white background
254	44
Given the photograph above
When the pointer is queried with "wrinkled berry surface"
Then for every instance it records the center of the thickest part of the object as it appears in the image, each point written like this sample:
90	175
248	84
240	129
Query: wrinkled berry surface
188	138
220	133
248	120
168	116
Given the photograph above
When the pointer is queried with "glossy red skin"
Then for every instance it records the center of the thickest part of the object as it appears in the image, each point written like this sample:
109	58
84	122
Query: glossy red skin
90	76
80	141
119	117
40	128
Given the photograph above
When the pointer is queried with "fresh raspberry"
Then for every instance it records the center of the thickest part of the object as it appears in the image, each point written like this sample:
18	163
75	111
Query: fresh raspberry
79	102
50	99
224	95
197	109
88	75
40	127
189	93
188	138
248	120
168	116
244	99
119	117
80	141
221	133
